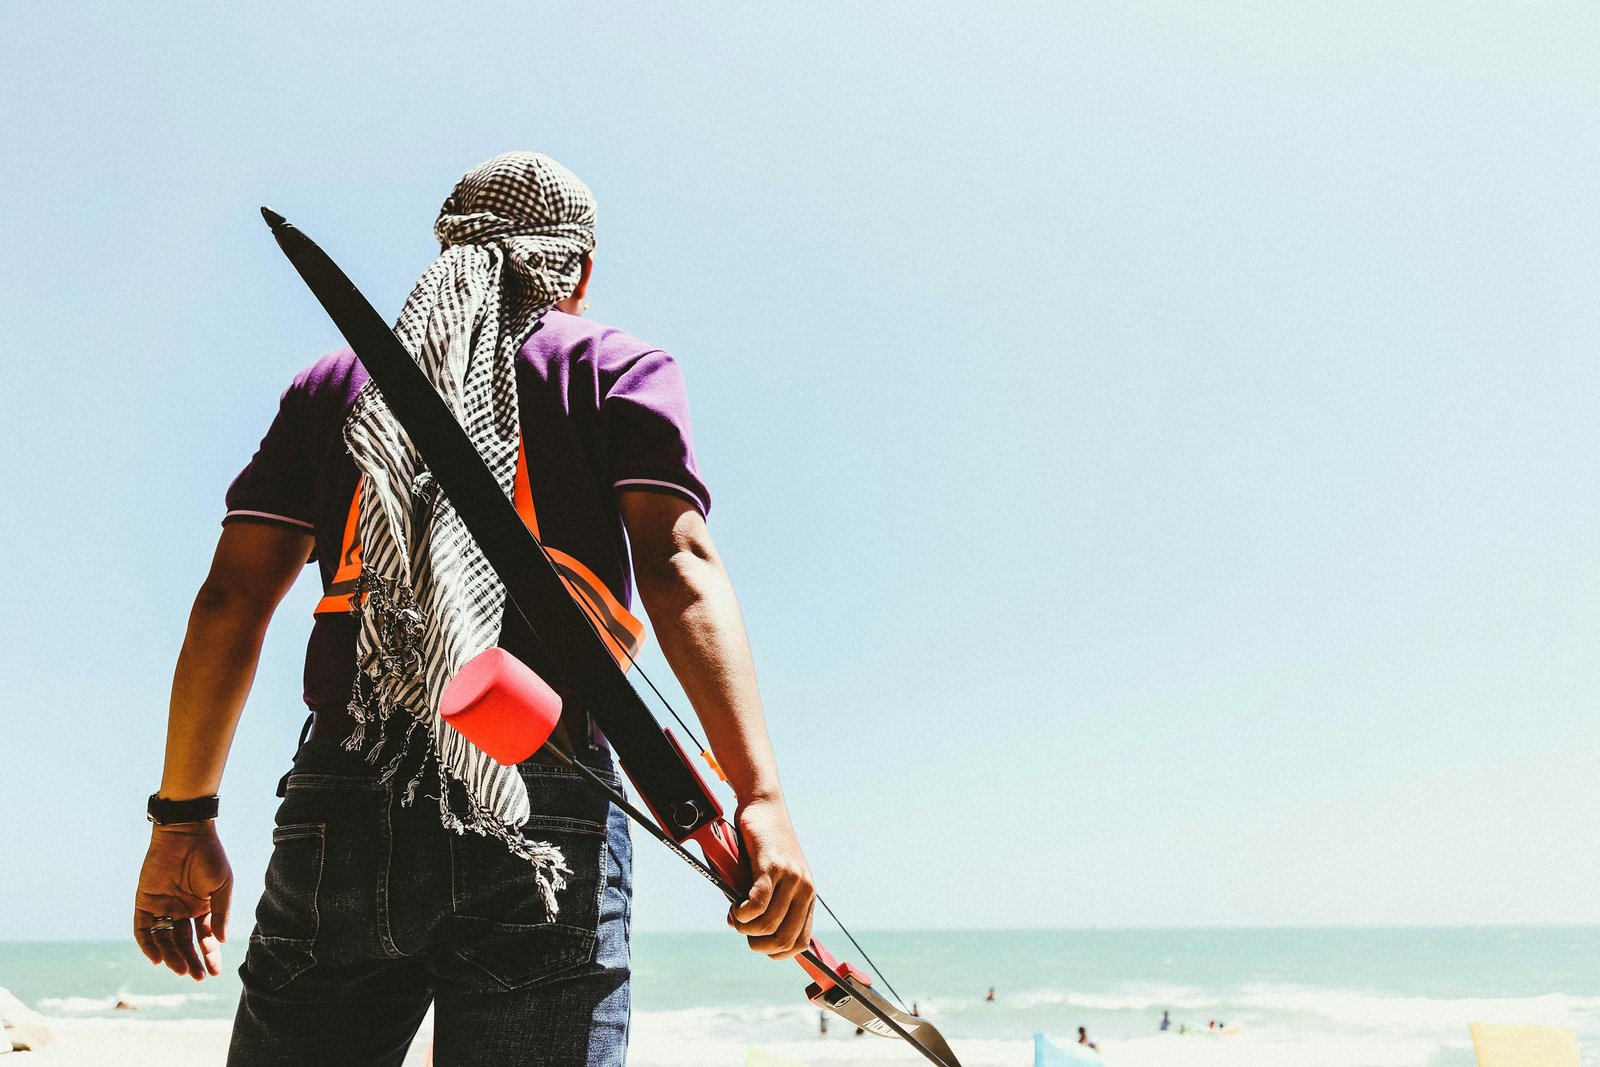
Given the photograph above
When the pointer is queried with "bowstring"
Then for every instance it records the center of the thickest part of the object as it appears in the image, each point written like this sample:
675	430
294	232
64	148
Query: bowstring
857	946
595	625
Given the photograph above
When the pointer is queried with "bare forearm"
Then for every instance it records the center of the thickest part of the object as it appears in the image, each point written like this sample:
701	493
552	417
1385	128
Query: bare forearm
697	620
696	617
215	668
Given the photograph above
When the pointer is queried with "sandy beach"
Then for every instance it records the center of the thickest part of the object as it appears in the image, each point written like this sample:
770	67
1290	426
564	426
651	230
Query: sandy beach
140	1043
657	1042
204	1043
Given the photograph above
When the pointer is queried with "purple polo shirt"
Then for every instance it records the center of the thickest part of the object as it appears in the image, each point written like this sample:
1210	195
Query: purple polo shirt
600	411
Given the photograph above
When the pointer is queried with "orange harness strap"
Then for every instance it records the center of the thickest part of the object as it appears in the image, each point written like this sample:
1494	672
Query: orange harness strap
618	628
337	596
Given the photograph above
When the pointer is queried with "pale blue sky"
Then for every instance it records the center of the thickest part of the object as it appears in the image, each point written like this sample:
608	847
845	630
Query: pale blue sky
1155	451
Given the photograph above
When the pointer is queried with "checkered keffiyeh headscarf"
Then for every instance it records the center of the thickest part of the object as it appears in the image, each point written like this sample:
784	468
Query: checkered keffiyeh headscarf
513	232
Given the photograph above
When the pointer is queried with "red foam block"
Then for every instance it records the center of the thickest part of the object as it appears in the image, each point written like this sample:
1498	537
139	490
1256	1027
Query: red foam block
499	704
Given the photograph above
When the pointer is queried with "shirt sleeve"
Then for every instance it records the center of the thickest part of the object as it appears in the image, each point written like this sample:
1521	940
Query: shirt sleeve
648	442
276	485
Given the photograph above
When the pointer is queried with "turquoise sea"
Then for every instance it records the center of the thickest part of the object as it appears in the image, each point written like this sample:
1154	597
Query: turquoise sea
1340	997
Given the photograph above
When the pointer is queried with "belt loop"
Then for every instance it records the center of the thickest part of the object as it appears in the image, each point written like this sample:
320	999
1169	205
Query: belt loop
305	732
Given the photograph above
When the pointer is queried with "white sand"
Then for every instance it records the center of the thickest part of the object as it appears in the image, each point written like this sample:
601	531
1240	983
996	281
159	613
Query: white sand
660	1041
138	1043
204	1043
197	1043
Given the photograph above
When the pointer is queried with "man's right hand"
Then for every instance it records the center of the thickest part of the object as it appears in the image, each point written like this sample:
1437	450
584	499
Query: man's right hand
186	880
776	914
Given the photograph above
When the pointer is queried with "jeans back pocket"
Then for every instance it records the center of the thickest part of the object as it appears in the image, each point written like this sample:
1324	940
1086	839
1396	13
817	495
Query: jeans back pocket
287	920
499	925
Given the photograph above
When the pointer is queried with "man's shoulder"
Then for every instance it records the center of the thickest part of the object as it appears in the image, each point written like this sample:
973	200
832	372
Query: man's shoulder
332	382
575	339
335	372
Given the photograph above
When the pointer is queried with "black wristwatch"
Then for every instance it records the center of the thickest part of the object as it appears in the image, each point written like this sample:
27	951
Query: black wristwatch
164	812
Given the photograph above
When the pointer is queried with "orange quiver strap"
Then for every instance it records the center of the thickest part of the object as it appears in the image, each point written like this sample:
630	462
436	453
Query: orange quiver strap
617	626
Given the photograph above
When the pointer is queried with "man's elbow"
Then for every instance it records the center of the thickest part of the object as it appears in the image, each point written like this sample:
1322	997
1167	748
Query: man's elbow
678	578
254	566
675	562
223	598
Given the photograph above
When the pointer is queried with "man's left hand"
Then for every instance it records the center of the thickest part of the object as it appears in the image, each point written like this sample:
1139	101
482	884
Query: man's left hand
182	899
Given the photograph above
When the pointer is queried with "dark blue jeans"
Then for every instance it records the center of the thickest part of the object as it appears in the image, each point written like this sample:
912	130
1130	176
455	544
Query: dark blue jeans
373	911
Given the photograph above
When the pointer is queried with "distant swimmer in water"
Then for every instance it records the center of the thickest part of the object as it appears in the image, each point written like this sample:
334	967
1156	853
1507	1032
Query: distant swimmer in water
915	1014
1083	1039
822	1022
1166	1021
990	997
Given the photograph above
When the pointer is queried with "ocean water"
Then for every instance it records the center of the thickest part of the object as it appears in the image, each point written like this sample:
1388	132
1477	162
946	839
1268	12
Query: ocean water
1299	998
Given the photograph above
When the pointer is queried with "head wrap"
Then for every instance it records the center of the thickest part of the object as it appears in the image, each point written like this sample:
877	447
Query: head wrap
513	232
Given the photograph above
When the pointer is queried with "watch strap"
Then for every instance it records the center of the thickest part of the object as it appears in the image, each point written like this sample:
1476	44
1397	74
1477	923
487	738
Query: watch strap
162	811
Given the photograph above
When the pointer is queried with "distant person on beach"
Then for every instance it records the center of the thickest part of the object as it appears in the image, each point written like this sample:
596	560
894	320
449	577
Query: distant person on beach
409	870
1166	1021
1083	1039
822	1022
990	997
